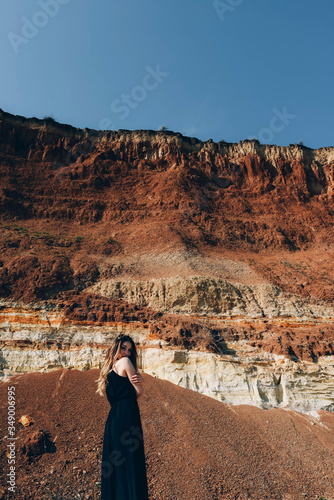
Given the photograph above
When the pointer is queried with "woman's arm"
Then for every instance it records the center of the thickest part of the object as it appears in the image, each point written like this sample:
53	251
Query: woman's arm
125	366
136	378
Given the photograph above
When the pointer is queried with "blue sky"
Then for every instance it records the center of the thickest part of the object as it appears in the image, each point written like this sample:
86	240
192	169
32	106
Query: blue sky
222	70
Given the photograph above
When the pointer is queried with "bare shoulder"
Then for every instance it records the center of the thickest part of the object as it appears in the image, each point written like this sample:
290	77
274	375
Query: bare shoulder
124	363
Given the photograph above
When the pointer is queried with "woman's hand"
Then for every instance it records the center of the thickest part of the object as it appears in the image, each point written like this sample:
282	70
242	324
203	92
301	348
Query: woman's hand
136	378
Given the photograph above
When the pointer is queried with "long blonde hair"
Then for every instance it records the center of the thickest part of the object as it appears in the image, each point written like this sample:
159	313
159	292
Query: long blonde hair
111	357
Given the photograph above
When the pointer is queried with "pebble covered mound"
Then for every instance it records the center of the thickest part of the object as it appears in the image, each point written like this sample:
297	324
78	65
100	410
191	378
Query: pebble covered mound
196	448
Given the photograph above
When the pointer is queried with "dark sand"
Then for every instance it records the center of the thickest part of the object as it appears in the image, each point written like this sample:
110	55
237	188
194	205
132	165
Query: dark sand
196	447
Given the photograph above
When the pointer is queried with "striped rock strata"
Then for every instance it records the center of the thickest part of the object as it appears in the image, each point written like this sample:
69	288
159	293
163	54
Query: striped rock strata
40	339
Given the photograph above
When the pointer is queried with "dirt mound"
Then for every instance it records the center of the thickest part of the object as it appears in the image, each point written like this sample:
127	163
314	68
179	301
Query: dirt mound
196	447
35	444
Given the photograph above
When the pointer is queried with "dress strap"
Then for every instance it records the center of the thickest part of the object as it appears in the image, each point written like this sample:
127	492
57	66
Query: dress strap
115	369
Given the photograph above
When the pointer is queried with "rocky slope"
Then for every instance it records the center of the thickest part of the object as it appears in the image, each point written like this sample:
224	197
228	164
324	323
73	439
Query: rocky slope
196	448
217	258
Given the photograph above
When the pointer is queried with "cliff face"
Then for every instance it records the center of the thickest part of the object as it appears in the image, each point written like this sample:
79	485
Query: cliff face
188	245
206	194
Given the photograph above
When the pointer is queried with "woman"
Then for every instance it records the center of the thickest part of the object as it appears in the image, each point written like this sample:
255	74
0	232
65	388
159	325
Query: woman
123	468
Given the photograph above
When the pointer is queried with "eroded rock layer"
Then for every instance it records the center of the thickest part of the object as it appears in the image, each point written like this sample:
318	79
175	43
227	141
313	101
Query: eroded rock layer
267	363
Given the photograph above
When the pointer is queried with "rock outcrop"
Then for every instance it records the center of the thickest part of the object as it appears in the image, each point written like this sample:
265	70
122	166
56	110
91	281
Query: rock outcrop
209	296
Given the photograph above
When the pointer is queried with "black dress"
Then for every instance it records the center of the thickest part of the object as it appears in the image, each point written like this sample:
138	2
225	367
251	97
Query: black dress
123	468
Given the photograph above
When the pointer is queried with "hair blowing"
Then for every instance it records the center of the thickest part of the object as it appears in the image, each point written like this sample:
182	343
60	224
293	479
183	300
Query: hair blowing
111	357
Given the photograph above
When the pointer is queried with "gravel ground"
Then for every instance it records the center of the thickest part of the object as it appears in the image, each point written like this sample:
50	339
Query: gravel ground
196	447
